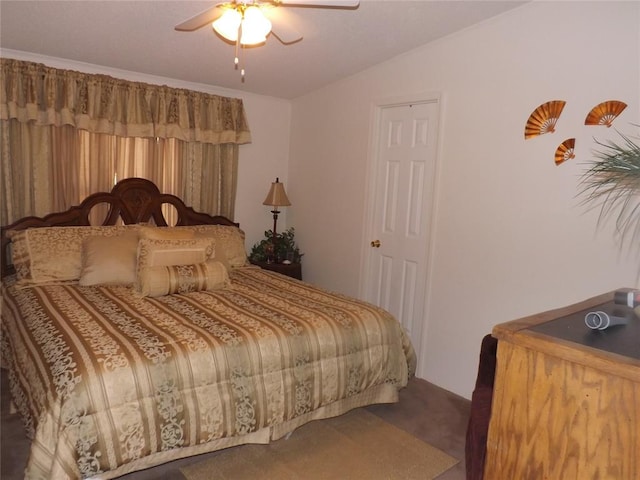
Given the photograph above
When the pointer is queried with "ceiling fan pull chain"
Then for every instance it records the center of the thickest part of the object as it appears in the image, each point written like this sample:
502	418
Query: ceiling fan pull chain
236	60
242	64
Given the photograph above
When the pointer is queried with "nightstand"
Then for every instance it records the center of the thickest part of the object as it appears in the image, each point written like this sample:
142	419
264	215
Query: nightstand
293	270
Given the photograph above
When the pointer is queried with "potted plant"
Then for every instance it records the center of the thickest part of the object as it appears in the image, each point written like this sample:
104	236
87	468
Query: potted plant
285	248
612	182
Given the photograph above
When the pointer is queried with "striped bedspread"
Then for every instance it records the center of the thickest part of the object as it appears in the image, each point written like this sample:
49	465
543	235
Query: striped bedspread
110	382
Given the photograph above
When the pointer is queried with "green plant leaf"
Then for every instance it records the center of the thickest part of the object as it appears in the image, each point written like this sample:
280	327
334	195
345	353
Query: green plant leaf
612	183
263	250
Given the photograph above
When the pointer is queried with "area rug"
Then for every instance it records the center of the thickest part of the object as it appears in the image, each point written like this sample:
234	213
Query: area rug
354	446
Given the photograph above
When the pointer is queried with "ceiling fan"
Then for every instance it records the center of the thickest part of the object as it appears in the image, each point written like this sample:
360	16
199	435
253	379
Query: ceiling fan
245	21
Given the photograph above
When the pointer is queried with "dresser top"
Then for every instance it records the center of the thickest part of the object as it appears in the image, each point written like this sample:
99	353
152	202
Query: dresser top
562	333
620	339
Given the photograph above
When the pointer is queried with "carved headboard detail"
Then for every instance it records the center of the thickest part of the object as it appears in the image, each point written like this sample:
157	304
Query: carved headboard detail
132	200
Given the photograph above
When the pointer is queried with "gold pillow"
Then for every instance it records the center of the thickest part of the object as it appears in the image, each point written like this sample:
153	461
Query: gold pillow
160	253
109	261
220	255
168	233
181	279
54	254
229	239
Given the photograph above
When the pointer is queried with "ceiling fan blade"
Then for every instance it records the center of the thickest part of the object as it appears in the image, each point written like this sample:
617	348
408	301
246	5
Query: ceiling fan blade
282	25
320	3
200	20
286	34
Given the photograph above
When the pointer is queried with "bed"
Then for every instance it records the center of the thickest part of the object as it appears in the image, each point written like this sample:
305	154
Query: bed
131	344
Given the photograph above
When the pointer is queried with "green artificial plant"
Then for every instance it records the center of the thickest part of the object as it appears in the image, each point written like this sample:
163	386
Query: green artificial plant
286	248
612	182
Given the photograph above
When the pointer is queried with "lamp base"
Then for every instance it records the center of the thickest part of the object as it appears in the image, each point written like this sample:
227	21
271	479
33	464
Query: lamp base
274	238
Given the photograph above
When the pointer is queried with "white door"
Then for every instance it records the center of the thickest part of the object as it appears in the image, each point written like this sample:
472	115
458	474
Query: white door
396	266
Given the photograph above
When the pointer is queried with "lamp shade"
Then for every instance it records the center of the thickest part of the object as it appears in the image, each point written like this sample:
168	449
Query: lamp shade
228	24
255	27
277	197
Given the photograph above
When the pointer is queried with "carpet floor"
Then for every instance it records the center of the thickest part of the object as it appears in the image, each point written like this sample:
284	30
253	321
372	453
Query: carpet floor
425	411
356	446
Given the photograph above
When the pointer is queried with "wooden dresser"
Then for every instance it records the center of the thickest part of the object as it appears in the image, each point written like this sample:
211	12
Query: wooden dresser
566	401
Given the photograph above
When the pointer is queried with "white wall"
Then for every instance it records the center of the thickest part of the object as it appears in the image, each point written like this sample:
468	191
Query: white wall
263	160
510	236
260	161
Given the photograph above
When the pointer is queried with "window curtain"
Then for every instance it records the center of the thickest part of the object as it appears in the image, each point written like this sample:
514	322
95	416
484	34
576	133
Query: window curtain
66	134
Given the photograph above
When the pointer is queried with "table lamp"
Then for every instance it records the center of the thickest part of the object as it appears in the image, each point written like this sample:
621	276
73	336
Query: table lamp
276	197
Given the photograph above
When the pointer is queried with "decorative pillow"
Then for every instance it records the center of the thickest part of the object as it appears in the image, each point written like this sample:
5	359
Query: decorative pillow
165	233
109	260
20	253
54	254
220	255
229	239
159	253
164	280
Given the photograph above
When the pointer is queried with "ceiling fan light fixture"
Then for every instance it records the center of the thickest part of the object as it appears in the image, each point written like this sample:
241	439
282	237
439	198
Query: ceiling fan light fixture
252	38
250	21
255	26
228	24
243	22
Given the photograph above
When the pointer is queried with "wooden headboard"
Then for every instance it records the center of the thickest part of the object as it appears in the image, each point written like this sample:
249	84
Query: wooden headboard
132	200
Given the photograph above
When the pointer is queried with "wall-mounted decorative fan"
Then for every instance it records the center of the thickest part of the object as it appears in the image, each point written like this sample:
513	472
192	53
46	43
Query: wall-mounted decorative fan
565	151
543	119
605	113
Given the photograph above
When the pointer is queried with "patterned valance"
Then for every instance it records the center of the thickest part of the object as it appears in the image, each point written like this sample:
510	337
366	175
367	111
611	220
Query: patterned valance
33	92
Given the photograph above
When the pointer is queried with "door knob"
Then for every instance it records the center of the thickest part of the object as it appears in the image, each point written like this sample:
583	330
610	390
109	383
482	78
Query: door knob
375	243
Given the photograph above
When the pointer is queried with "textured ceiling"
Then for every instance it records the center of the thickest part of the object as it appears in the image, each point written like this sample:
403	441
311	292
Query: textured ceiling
139	36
